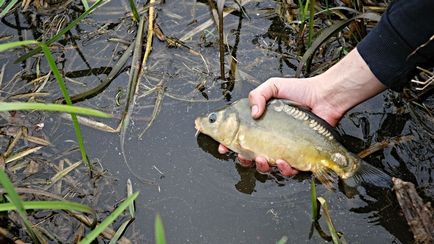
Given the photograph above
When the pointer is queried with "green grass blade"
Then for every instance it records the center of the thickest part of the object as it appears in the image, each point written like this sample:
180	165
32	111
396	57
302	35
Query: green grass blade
301	11
129	193
332	229
2	2
134	10
314	201
65	94
16	201
10	5
160	238
327	33
119	232
61	32
282	240
56	73
49	205
132	210
85	4
14	106
107	221
311	21
5	46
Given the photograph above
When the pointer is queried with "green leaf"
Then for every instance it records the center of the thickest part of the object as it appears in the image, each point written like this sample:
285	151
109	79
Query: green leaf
159	231
6	46
14	106
109	220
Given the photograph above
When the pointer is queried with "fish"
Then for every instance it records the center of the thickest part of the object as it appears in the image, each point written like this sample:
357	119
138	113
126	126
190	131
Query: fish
289	131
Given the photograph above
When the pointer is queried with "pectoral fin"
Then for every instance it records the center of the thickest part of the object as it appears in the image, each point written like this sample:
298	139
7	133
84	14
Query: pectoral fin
325	175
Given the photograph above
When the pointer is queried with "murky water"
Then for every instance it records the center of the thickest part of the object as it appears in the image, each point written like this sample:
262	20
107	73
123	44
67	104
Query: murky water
204	197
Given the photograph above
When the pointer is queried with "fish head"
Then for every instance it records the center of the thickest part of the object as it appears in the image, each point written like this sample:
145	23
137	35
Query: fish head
221	125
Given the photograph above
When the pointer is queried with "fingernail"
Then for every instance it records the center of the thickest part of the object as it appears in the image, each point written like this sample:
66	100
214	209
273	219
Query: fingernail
255	110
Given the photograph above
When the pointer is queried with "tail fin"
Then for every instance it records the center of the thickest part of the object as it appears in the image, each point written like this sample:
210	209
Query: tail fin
367	173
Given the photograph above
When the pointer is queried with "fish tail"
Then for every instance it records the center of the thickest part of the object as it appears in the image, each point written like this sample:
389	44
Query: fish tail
367	173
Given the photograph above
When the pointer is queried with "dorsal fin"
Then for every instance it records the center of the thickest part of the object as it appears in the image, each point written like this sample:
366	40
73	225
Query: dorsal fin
303	112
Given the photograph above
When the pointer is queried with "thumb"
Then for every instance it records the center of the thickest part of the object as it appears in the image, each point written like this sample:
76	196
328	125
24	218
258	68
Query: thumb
260	95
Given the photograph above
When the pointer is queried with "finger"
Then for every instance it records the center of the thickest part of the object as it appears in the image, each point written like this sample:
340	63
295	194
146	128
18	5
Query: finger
260	95
222	149
262	165
244	161
285	169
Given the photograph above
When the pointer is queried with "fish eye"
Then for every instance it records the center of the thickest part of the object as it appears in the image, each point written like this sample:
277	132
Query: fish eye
212	117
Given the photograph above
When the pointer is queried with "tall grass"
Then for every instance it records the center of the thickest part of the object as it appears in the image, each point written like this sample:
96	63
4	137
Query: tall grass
43	46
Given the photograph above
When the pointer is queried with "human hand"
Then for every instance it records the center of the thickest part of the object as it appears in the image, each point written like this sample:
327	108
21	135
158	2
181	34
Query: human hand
329	95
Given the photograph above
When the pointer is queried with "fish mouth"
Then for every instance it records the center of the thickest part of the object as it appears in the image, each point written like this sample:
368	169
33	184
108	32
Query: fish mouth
197	126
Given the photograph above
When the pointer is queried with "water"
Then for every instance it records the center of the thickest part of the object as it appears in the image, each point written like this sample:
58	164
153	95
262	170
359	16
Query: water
204	197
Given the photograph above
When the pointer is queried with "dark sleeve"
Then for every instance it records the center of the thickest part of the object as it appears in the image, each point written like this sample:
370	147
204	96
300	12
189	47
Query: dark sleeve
389	47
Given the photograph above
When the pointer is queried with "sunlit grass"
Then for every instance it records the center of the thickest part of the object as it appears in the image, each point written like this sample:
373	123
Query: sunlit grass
14	106
109	220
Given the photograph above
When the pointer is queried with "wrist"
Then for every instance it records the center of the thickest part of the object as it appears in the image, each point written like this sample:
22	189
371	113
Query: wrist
348	83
